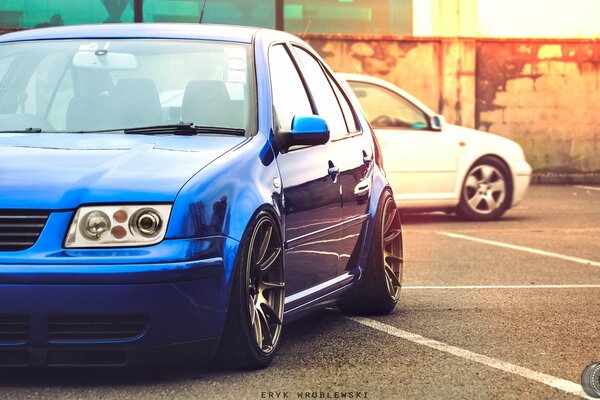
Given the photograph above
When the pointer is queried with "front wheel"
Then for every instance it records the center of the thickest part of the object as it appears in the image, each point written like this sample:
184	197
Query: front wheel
254	320
486	191
379	289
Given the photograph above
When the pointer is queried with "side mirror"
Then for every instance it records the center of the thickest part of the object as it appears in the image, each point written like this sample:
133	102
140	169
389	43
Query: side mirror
306	131
438	122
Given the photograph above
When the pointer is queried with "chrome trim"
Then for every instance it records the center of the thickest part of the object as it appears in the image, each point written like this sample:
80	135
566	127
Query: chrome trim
315	289
342	223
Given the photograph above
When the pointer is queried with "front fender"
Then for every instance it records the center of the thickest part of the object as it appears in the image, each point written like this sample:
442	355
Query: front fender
221	199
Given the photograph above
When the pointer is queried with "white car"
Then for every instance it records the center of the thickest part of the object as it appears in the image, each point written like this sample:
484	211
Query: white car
433	165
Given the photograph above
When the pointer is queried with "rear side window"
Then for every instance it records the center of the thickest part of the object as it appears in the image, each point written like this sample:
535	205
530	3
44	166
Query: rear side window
289	95
346	108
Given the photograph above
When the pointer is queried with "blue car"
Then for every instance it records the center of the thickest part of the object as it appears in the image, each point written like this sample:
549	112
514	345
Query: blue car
177	192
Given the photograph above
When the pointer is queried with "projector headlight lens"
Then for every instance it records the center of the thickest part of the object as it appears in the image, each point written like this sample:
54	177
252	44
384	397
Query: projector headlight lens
146	222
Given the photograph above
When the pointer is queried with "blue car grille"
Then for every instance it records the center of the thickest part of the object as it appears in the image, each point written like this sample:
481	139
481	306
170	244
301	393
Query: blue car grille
20	229
14	328
86	328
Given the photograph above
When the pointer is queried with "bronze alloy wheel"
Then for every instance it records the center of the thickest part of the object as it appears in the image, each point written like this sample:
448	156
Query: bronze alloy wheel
391	246
378	291
265	286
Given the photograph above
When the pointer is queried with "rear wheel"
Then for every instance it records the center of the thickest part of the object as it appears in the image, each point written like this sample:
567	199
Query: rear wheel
254	321
379	289
486	191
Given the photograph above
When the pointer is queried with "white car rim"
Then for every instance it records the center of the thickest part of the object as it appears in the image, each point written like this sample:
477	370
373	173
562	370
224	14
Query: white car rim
485	189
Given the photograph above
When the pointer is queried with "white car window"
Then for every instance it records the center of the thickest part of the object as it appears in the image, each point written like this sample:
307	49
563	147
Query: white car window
386	109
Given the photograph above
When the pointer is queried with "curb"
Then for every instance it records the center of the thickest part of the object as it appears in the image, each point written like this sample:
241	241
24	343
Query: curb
565	178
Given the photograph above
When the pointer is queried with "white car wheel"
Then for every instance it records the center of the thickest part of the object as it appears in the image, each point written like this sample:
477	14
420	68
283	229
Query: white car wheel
486	190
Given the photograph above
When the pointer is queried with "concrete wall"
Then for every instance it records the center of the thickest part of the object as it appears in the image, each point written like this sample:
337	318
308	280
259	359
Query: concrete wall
545	94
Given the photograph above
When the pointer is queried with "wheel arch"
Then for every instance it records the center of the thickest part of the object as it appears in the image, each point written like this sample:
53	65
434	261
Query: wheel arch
378	186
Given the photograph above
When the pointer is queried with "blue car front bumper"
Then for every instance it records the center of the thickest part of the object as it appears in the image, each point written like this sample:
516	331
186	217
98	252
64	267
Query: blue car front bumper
108	307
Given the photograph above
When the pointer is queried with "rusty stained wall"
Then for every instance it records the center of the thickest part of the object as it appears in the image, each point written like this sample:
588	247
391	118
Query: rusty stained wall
439	72
544	95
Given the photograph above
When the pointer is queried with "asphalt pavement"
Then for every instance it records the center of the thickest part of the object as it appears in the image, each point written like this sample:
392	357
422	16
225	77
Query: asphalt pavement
506	309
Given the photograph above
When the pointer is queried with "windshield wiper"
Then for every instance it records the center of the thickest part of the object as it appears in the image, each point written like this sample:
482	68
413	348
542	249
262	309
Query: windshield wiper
26	130
184	128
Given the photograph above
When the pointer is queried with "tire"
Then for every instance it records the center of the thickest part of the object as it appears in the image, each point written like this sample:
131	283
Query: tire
379	289
590	380
253	326
486	191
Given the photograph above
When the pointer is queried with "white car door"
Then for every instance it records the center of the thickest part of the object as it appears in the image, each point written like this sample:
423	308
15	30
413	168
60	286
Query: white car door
420	162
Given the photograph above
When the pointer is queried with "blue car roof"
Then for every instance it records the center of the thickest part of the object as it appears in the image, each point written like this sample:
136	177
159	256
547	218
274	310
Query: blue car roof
134	31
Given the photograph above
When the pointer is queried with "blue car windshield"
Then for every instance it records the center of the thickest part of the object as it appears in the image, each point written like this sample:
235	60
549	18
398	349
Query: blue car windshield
92	85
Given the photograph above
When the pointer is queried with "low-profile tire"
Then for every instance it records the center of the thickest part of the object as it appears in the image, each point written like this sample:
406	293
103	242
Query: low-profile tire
379	288
254	320
486	191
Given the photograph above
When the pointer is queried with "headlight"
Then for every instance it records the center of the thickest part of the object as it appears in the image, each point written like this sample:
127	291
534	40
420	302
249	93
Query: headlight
118	226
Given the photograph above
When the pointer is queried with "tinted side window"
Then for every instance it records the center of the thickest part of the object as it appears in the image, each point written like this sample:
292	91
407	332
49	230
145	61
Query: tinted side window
346	107
289	96
324	97
386	109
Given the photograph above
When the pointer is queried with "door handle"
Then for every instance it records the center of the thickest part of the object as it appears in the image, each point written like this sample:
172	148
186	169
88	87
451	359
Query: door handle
366	159
333	171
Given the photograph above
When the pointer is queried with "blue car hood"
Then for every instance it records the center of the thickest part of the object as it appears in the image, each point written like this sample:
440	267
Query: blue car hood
62	171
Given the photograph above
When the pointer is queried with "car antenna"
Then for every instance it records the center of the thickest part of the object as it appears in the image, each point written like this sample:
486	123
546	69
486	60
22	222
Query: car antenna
306	29
202	12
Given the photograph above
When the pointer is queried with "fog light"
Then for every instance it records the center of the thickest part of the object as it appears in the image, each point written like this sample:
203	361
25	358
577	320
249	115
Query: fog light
146	222
94	225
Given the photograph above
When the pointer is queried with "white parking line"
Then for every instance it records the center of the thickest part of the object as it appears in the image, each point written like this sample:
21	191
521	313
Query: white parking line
587	187
522	248
549	380
506	287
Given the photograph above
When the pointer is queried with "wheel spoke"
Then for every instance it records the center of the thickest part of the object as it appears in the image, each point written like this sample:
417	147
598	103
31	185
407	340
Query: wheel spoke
268	310
266	331
391	235
498	186
392	276
272	285
252	306
472	182
486	173
258	334
475	200
389	218
388	284
393	257
269	261
490	202
264	246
